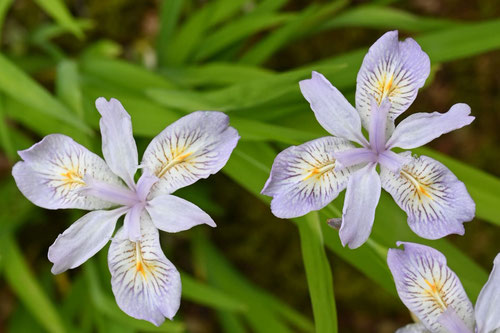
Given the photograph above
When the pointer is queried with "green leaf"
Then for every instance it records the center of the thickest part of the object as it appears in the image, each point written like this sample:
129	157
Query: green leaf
319	276
68	86
57	9
169	16
5	137
25	285
201	293
4	7
16	84
379	17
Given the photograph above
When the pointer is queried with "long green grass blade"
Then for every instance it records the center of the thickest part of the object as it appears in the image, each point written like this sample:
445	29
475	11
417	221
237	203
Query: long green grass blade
169	17
26	287
68	86
4	8
58	10
319	276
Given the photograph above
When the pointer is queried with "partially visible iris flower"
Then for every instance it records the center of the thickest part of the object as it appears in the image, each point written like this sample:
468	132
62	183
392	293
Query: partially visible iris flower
434	294
59	173
308	177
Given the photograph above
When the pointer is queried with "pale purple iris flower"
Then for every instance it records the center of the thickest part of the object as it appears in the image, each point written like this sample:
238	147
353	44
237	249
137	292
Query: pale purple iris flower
308	177
59	173
435	296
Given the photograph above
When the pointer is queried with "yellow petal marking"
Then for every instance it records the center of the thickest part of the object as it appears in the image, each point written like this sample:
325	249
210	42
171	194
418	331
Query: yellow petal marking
318	172
71	177
386	87
435	292
140	265
176	160
420	188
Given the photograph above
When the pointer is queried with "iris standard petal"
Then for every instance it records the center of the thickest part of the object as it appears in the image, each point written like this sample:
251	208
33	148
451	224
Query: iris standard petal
303	178
194	147
53	171
427	286
118	144
413	328
421	128
83	239
173	214
361	199
145	283
450	320
488	302
391	69
436	202
331	109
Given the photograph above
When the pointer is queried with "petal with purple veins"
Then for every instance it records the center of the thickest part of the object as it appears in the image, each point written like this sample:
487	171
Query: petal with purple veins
303	178
331	109
145	283
118	144
427	286
488	302
192	148
421	128
413	328
52	174
391	69
436	202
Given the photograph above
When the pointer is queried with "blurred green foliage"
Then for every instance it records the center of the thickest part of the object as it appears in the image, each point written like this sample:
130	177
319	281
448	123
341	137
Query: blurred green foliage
178	56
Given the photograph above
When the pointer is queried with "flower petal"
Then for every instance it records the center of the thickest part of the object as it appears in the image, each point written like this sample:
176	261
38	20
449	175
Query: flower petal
52	174
361	199
118	144
194	147
450	320
83	239
173	214
303	178
413	328
331	109
488	302
436	202
145	283
421	128
427	286
391	69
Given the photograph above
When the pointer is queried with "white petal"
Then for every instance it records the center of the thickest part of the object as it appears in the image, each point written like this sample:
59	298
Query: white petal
173	214
488	302
413	328
391	69
421	128
118	144
83	239
303	178
331	109
145	283
361	199
427	286
194	147
53	171
436	202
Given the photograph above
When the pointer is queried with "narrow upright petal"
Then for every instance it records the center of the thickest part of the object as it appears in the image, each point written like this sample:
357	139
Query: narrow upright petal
427	286
83	239
378	124
145	284
391	69
173	214
118	144
488	302
450	320
331	109
413	328
361	199
303	178
355	156
53	171
421	128
436	202
194	147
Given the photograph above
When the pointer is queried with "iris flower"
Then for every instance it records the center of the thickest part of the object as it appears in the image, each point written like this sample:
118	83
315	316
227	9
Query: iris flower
309	176
434	294
59	173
